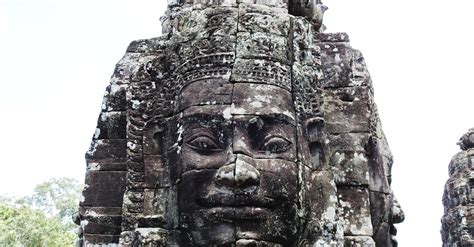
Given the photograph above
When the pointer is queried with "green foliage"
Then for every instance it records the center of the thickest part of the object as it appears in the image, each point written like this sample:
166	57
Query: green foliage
42	219
23	226
58	197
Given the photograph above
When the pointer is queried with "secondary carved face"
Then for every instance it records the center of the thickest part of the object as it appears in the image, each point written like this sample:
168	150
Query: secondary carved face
237	160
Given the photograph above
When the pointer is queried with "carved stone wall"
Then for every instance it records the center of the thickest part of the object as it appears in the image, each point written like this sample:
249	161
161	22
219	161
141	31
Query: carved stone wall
243	124
458	198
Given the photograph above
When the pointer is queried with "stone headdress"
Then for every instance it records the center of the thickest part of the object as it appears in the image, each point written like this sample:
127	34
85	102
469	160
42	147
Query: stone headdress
274	42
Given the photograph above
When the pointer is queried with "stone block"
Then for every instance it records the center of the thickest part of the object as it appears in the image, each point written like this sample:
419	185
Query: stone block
342	66
102	227
332	37
459	163
106	166
95	240
111	125
147	46
220	21
383	236
160	208
262	46
206	92
347	110
104	189
108	149
150	236
379	166
360	73
202	47
259	70
350	167
248	100
261	19
274	3
125	67
359	241
355	210
322	197
380	208
349	141
101	220
302	34
115	98
156	174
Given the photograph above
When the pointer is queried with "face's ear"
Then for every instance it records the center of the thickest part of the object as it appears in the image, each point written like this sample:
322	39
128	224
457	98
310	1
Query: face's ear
314	134
153	138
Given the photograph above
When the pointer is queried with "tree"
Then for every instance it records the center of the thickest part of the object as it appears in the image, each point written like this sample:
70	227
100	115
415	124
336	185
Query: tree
57	197
42	219
23	226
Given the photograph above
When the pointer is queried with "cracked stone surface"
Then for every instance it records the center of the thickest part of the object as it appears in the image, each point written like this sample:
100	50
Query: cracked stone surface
244	124
458	198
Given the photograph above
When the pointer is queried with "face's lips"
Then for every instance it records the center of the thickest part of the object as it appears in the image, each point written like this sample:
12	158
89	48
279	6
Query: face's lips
238	213
393	235
237	207
236	201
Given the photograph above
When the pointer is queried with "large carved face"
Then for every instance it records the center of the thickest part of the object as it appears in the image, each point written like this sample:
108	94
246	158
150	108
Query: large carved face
237	160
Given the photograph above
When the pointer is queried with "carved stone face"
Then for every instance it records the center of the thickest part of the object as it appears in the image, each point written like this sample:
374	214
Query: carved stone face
237	160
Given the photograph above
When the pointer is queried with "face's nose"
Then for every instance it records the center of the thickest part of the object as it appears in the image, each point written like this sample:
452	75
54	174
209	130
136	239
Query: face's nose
240	174
398	216
240	143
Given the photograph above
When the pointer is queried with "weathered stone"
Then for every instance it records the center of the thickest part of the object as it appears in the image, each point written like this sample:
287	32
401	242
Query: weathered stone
355	206
108	149
104	189
111	125
156	174
347	110
360	241
258	70
99	239
216	92
243	125
350	168
103	220
458	219
262	46
253	19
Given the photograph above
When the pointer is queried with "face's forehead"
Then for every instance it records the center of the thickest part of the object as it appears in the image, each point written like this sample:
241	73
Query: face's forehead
218	97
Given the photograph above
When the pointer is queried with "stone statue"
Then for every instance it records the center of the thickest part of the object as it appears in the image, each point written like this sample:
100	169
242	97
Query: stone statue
458	221
242	125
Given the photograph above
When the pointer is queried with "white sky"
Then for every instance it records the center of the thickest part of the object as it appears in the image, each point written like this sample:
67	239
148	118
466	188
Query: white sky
56	58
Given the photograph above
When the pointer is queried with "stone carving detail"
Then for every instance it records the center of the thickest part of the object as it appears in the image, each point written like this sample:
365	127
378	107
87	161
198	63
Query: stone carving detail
458	200
243	125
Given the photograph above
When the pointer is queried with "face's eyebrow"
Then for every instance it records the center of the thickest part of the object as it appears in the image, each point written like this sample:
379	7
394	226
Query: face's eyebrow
271	117
203	119
206	111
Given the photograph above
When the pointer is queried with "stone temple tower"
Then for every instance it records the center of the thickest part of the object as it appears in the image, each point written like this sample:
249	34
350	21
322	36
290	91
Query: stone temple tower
244	124
458	198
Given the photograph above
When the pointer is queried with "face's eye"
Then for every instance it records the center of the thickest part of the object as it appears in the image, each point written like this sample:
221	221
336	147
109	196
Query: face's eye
275	144
204	143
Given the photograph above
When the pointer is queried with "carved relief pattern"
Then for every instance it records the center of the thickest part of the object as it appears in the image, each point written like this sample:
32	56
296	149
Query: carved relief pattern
458	199
242	125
